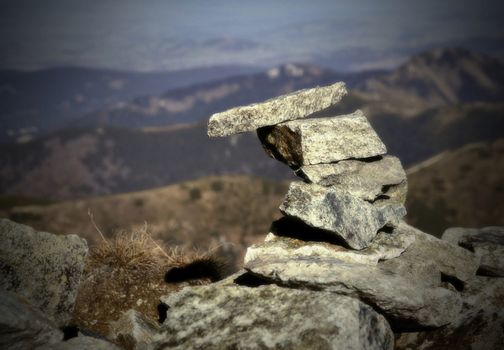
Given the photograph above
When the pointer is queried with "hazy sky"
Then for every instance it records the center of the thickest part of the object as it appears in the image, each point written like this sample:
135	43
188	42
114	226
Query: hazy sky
169	35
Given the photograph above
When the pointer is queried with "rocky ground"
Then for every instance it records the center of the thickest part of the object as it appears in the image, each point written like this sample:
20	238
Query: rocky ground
340	269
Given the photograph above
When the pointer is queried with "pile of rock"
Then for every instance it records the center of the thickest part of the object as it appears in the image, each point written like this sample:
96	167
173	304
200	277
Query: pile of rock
341	246
340	269
342	225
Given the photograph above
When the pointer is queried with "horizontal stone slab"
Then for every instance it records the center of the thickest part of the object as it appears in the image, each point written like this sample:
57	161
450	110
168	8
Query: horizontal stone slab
353	220
487	243
406	303
383	247
296	105
451	259
368	180
322	140
269	317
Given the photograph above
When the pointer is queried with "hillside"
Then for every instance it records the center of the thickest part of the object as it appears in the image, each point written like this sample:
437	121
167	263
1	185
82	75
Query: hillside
197	102
232	211
452	98
456	188
433	79
464	187
100	161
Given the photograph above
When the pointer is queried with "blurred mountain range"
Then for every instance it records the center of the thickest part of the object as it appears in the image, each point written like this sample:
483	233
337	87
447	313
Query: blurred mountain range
33	103
441	99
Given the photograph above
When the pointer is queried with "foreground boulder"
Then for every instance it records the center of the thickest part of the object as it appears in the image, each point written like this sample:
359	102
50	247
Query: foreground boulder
487	243
43	268
480	323
24	327
296	105
269	317
322	140
452	260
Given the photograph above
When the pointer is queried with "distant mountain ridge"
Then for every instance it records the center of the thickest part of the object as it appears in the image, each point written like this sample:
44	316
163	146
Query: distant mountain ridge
32	102
96	159
436	78
196	103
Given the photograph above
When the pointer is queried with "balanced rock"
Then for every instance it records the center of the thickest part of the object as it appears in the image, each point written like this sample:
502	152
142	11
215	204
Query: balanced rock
487	243
269	317
385	246
405	303
296	105
353	220
42	267
367	180
322	140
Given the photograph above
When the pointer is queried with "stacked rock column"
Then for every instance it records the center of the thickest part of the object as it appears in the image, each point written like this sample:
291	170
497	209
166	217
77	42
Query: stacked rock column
342	229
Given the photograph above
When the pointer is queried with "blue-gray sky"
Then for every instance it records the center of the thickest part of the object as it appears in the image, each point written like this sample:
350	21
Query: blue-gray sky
170	35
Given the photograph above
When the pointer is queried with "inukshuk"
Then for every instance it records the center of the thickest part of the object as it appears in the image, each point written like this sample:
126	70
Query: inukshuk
342	229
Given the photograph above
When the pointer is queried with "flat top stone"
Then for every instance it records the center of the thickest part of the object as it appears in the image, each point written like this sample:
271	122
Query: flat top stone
296	105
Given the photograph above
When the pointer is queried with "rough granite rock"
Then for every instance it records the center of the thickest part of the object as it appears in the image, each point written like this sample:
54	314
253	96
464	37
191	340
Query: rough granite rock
322	140
24	327
384	246
487	243
406	304
451	259
133	330
364	179
480	326
353	220
42	267
296	105
269	317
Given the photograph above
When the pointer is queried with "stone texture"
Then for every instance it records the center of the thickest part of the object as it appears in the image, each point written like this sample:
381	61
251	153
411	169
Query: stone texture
407	304
353	220
296	105
451	260
133	330
322	140
366	180
269	317
480	326
42	267
487	243
24	327
384	246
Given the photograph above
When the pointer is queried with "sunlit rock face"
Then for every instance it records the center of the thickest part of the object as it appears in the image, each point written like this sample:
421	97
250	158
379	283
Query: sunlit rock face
42	267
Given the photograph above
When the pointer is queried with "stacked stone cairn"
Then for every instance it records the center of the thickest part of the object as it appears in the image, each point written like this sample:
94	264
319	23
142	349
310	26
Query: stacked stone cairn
342	222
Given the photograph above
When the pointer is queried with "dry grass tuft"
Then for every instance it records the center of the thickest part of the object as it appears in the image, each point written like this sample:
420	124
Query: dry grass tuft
128	272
